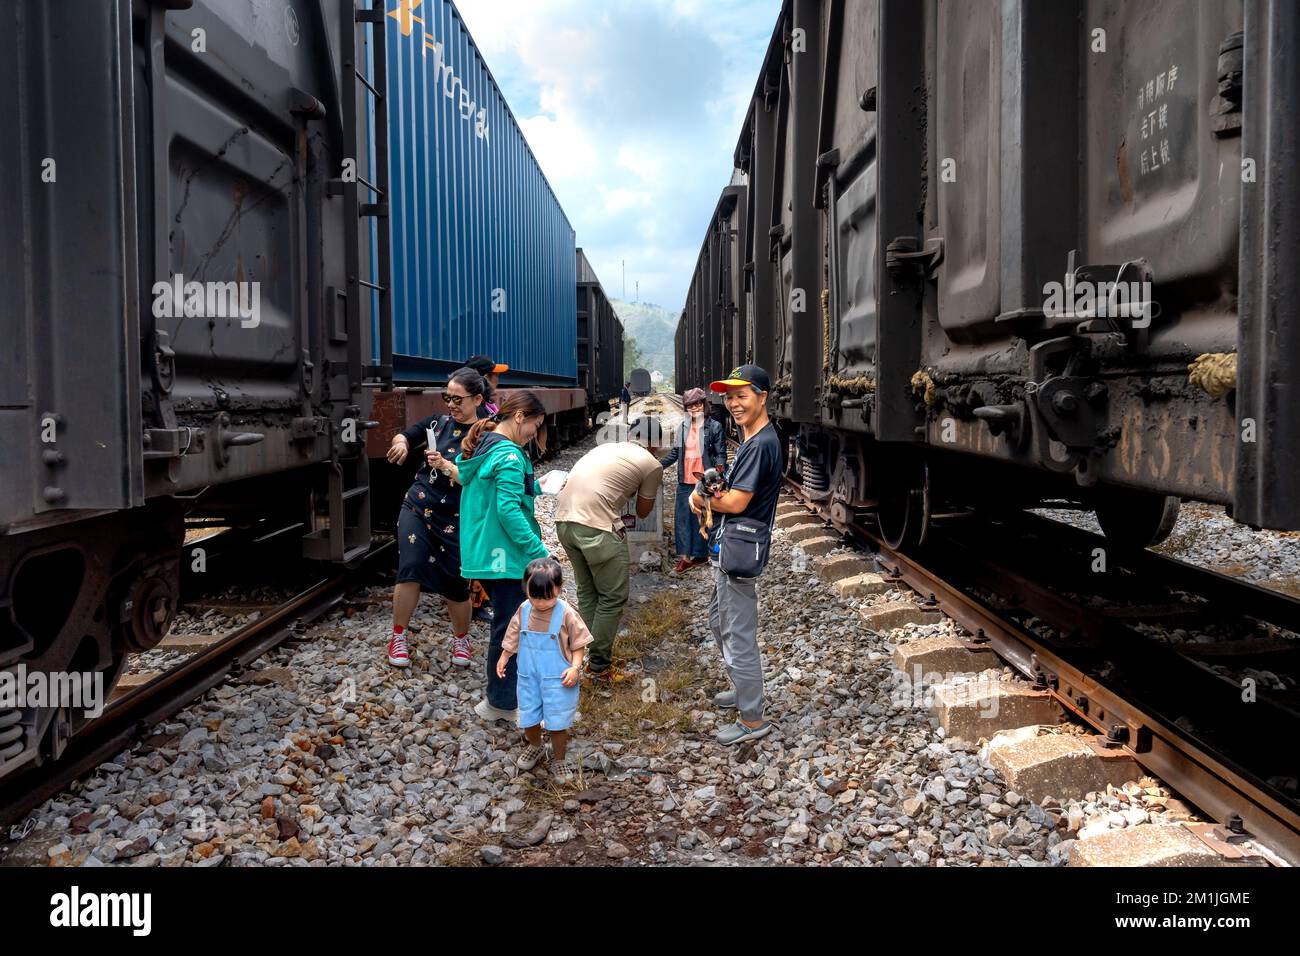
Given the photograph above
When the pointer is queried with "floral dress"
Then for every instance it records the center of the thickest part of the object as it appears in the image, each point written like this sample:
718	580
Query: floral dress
428	527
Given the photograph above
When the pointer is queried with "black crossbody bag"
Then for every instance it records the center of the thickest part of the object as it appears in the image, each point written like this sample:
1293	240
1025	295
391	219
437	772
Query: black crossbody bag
744	546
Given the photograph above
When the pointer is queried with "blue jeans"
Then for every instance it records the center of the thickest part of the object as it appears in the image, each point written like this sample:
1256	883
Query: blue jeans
686	527
506	594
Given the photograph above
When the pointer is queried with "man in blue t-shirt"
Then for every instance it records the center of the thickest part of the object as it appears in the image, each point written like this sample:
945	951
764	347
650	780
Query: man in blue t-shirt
755	485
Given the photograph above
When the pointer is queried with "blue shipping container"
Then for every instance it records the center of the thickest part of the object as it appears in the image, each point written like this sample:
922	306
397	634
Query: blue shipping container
482	252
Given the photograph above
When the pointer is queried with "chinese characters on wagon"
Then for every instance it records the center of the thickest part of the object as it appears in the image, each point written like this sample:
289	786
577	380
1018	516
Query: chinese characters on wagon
1153	124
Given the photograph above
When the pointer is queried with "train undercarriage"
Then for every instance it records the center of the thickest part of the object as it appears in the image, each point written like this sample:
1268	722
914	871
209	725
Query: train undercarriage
904	488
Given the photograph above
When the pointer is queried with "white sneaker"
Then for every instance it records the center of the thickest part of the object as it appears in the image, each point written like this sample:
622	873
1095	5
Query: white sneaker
490	713
529	758
564	771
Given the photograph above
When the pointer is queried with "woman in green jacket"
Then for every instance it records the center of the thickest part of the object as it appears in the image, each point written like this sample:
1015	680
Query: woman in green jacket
498	534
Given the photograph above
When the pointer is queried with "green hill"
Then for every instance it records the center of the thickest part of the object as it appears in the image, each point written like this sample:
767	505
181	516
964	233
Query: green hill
653	328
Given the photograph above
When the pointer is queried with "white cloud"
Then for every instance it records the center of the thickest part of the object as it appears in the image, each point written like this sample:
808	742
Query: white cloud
561	148
633	110
622	200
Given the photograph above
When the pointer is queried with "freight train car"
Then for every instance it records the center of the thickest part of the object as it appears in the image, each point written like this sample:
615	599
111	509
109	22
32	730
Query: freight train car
681	372
714	325
183	313
641	384
483	255
212	279
600	341
1019	253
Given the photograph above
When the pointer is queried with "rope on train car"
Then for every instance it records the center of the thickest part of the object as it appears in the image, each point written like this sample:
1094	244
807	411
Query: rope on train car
855	385
826	330
923	385
1215	372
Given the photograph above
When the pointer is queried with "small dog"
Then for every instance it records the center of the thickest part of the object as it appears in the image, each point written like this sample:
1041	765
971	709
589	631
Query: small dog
708	484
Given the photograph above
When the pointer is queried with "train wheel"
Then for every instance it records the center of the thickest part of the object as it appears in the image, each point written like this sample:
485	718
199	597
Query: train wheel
903	513
1137	519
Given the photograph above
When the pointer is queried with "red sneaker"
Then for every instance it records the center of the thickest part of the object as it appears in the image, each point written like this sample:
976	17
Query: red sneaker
398	655
461	651
682	565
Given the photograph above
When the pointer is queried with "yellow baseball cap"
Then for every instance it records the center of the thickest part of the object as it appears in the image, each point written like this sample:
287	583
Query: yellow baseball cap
744	375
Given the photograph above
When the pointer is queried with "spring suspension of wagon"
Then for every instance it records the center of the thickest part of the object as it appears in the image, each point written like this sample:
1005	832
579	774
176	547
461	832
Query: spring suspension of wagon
11	733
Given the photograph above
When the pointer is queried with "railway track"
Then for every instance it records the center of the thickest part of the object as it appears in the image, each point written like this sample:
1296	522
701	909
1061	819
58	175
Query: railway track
144	700
1176	715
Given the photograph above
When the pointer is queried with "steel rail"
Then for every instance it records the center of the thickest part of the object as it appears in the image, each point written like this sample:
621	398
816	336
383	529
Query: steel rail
1245	805
127	718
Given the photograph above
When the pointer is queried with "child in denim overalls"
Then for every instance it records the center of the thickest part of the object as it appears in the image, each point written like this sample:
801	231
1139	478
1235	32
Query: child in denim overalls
549	637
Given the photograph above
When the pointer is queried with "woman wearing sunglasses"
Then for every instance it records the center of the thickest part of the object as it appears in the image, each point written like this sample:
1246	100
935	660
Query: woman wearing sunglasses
428	526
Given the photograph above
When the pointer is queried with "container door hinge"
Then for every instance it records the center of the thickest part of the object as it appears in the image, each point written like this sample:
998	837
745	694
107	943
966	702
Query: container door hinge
171	442
903	255
164	362
308	372
309	429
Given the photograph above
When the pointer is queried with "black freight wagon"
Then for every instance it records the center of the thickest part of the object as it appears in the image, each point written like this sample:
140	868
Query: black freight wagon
600	340
716	319
986	234
201	285
641	384
181	257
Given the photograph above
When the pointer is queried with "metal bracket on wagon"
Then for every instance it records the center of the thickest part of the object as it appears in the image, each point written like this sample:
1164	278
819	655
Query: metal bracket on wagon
1065	408
1010	421
904	253
309	428
1107	299
223	439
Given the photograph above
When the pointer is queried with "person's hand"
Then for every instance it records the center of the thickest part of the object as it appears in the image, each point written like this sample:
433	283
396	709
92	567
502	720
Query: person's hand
697	505
501	665
434	459
568	678
398	450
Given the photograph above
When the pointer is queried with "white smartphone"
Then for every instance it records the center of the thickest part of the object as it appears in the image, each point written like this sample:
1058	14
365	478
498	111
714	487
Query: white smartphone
552	482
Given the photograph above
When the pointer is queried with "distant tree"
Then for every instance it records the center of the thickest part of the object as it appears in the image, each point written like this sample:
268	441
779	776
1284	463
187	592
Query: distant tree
632	357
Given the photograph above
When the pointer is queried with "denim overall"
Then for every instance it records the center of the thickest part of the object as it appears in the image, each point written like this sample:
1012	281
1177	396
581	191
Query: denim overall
543	698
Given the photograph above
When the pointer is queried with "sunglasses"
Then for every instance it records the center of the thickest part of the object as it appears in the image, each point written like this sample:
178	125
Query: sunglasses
454	400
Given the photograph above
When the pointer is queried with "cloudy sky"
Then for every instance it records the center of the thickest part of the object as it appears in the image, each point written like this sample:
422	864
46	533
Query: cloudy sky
633	108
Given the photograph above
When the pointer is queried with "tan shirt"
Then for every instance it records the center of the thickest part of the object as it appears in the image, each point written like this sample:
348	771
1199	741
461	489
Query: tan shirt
603	480
574	635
